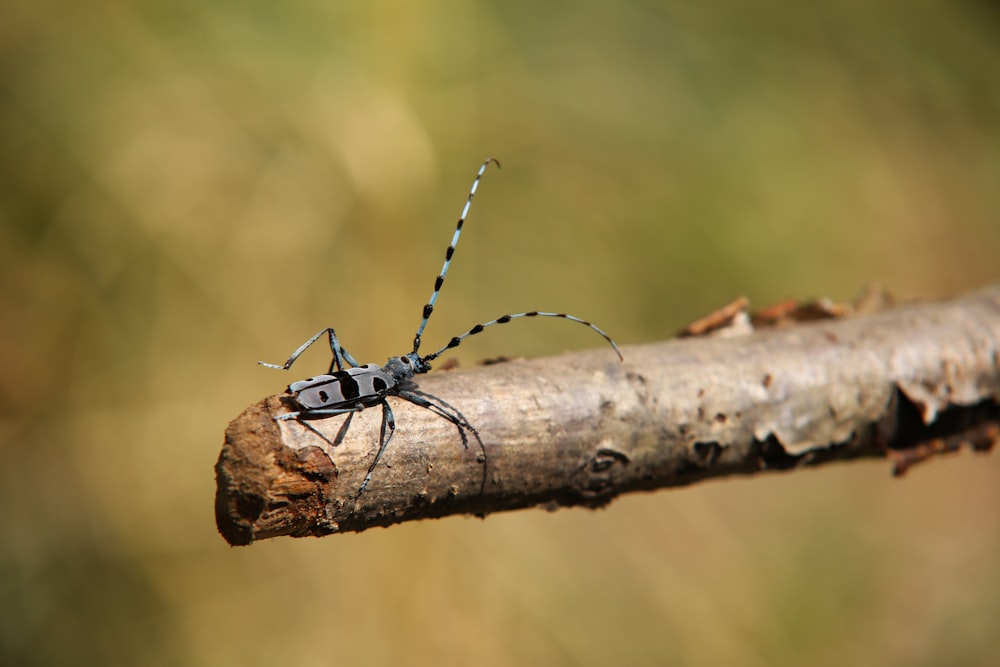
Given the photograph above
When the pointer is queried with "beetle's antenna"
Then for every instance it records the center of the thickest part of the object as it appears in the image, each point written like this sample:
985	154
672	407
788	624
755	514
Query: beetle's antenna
429	308
457	340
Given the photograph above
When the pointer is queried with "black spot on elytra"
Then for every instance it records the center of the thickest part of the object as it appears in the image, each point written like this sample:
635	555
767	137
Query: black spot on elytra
349	388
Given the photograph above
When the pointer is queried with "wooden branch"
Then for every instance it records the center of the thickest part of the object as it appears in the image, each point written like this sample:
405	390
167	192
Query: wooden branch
580	429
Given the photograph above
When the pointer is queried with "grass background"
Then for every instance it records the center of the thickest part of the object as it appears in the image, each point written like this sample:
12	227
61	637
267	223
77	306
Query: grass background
187	187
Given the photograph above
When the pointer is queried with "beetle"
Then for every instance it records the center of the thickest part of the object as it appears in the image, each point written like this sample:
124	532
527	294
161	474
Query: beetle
349	387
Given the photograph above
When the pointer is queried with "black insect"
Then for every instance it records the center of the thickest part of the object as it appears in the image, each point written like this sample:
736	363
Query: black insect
349	387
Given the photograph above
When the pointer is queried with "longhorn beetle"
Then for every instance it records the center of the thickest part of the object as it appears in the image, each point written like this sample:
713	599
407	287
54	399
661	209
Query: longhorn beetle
349	390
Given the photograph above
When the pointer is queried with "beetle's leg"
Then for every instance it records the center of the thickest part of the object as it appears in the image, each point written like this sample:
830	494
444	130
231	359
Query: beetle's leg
340	355
449	412
388	425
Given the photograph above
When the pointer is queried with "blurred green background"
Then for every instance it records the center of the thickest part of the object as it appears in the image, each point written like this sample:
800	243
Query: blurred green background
188	187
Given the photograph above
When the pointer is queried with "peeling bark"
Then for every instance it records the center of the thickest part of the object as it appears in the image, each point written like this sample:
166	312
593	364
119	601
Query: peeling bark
580	429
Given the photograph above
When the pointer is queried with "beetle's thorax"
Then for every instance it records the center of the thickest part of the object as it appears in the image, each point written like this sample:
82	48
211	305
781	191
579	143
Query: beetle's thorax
405	367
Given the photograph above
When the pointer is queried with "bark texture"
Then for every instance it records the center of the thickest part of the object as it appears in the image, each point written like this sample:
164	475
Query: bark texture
582	428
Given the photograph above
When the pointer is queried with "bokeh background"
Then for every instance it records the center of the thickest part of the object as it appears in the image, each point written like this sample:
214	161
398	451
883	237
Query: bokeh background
188	187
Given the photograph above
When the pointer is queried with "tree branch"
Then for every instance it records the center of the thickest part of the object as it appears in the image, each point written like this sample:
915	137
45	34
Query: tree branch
582	428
